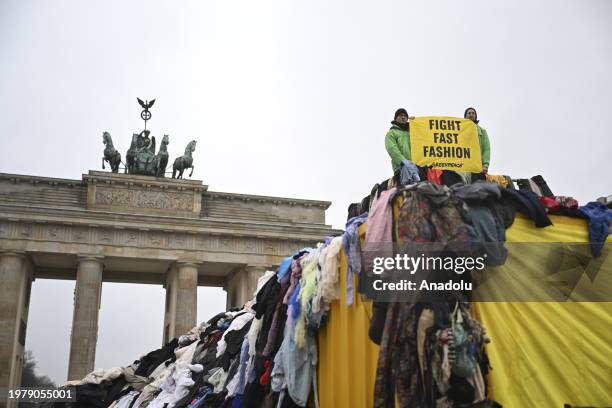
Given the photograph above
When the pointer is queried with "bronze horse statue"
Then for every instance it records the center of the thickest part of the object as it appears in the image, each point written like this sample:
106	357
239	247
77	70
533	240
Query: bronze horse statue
184	162
161	159
111	155
131	153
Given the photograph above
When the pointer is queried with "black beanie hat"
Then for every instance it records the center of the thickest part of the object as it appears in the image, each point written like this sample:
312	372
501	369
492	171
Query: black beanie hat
399	112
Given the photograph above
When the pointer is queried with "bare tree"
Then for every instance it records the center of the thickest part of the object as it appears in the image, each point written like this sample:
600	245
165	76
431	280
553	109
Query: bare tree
29	378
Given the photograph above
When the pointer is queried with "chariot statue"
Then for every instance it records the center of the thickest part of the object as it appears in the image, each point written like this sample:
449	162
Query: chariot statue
141	157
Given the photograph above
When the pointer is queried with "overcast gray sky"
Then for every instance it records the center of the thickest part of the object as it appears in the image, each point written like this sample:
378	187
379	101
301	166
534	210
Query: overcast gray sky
290	98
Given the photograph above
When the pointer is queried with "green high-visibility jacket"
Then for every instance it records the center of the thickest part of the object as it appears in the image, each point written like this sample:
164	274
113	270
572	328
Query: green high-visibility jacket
397	143
485	146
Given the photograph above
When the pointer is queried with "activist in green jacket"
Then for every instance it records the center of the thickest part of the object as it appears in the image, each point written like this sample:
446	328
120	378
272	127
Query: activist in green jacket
397	141
483	137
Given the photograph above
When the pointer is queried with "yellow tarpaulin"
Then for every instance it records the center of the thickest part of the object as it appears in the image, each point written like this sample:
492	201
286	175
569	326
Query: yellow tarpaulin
543	354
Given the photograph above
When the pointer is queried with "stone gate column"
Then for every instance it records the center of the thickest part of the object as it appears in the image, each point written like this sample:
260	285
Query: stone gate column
187	298
87	294
241	284
181	299
15	286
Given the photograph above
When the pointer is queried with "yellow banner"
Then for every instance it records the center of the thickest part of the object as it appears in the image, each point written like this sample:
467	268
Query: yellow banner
446	143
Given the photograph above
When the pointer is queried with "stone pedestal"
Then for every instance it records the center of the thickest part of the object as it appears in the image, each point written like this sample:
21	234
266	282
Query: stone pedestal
144	194
15	286
84	336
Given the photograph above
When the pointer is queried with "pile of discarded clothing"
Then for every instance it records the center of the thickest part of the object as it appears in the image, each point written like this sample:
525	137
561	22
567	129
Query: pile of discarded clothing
432	353
263	355
532	197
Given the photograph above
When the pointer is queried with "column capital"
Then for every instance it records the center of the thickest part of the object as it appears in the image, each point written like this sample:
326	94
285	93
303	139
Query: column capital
90	258
14	254
194	264
257	268
20	256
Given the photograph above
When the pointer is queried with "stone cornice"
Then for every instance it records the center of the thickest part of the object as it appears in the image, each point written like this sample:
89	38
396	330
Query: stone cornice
21	178
131	180
268	199
121	179
100	219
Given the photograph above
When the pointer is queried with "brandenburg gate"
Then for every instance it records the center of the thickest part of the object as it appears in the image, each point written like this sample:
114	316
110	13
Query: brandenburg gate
115	227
